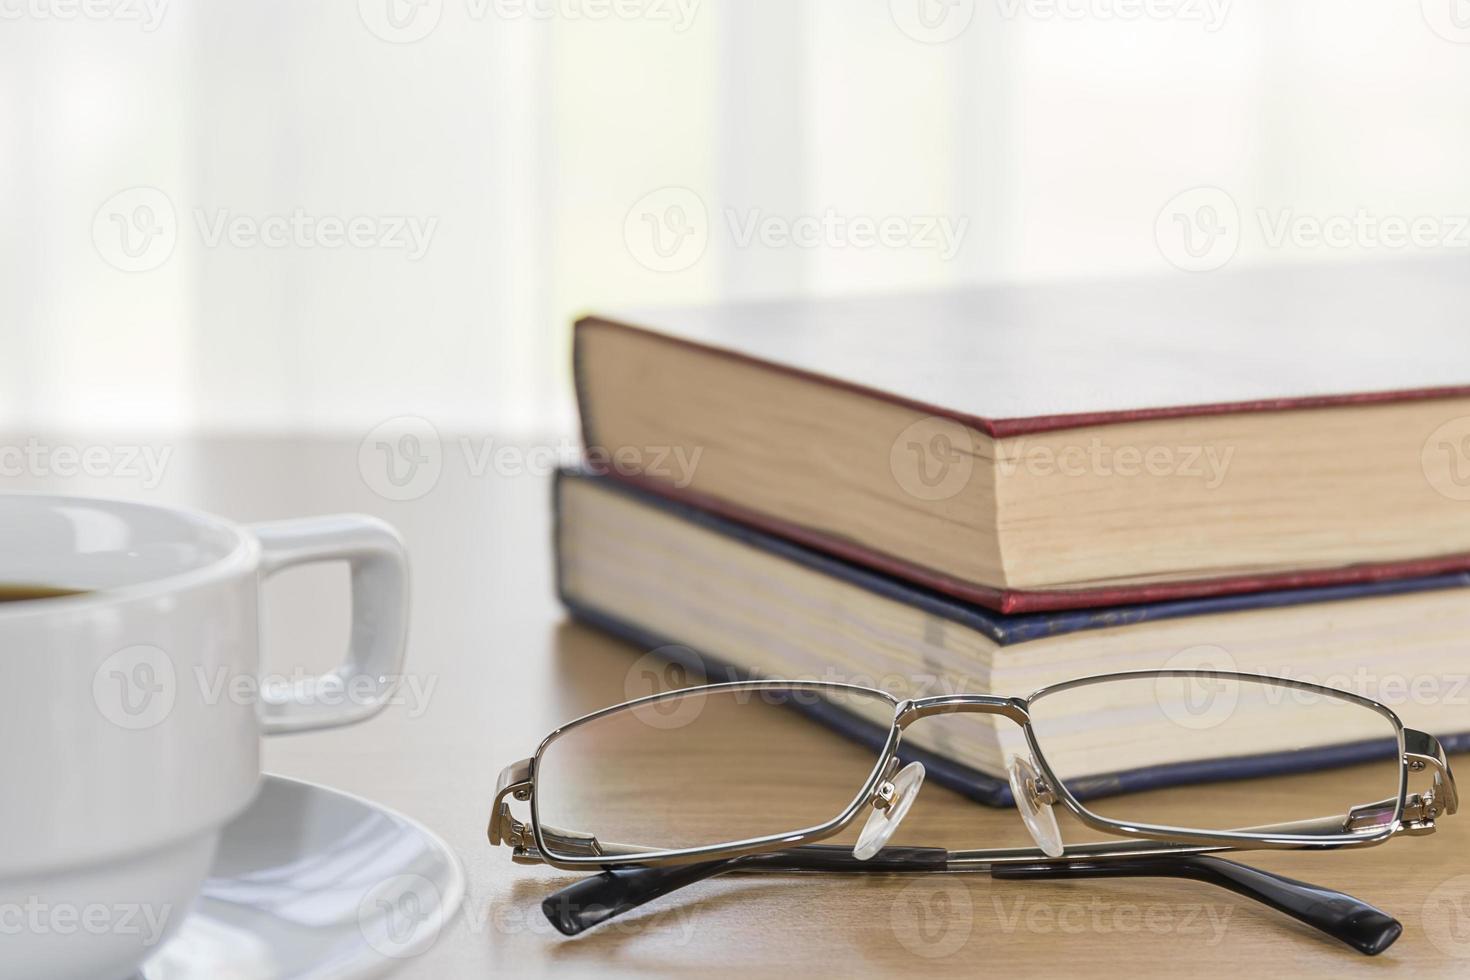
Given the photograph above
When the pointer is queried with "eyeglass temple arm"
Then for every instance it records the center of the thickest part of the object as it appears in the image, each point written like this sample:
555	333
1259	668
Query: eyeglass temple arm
594	900
1367	929
598	898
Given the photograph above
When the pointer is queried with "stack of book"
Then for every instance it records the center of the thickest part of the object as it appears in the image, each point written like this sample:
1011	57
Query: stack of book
995	489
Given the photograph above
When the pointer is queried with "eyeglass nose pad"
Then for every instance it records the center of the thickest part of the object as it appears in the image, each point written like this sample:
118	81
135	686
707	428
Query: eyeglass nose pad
890	804
1036	812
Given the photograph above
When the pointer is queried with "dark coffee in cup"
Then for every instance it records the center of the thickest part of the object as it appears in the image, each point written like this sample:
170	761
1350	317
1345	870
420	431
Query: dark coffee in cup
13	592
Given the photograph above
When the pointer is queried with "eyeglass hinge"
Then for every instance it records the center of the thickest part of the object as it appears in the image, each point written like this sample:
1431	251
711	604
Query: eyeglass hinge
514	781
1420	812
1423	753
506	829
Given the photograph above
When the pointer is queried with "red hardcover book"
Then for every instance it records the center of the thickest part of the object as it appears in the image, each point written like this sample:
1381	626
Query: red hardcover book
1064	445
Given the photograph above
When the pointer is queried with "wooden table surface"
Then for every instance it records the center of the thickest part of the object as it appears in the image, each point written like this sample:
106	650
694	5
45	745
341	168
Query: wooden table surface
494	665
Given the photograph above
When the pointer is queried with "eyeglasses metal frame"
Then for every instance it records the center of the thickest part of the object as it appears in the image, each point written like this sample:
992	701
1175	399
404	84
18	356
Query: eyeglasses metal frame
1401	814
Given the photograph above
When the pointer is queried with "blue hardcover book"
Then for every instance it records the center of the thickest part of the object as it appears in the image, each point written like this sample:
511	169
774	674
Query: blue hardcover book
734	602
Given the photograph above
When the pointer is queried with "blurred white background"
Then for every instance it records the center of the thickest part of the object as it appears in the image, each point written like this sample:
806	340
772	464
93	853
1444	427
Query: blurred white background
312	216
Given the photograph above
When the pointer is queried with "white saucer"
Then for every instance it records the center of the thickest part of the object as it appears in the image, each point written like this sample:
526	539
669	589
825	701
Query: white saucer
313	883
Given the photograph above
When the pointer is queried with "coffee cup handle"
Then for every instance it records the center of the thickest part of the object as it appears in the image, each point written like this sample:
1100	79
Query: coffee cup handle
361	687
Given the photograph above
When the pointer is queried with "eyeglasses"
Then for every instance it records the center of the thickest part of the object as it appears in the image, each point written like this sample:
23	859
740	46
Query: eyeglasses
668	790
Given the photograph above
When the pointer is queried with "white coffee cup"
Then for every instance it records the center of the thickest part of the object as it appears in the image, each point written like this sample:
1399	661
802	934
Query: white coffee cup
131	713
